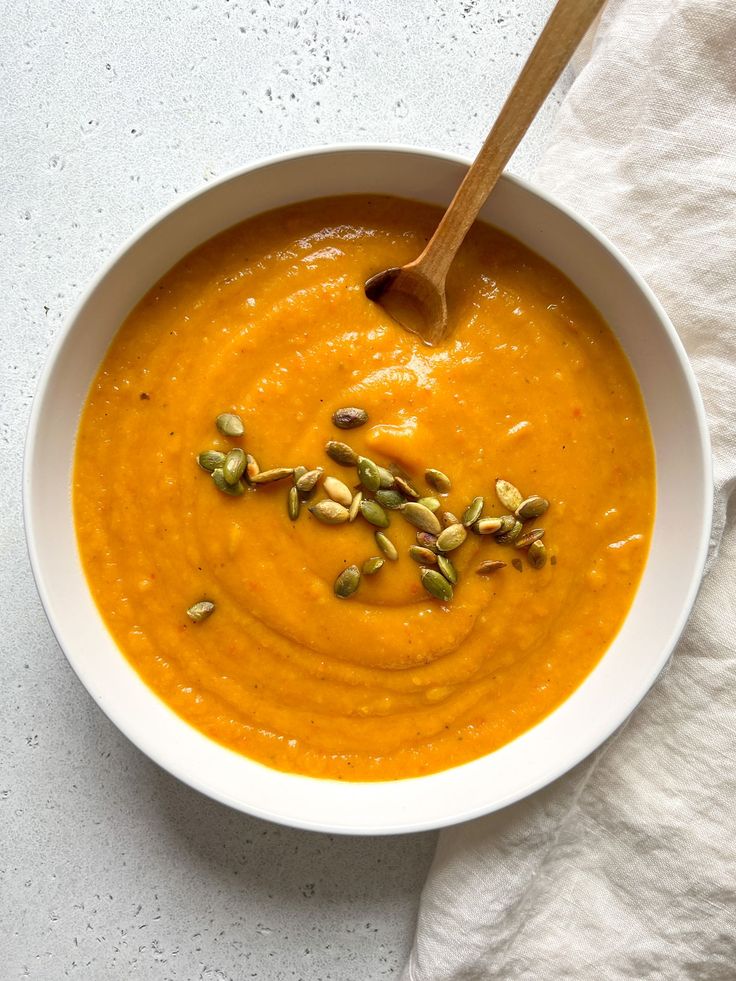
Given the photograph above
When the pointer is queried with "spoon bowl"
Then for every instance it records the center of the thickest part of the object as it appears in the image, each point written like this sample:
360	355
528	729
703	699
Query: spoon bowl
412	299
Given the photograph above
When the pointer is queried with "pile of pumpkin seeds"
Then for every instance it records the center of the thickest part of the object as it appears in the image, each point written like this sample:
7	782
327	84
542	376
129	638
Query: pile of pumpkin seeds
379	491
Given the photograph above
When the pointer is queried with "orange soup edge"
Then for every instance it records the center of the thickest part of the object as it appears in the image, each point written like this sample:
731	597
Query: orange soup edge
269	320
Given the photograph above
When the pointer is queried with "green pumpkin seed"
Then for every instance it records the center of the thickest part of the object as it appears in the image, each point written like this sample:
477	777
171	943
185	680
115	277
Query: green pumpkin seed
347	582
234	465
354	509
506	537
447	518
374	513
386	546
234	490
251	467
427	540
329	512
510	496
447	569
507	523
338	491
341	453
422	518
372	565
269	476
200	611
369	474
387	478
293	503
537	554
210	460
473	511
299	473
451	538
424	556
489	567
229	424
436	584
518	565
309	480
533	507
529	537
488	526
438	480
390	499
350	417
430	502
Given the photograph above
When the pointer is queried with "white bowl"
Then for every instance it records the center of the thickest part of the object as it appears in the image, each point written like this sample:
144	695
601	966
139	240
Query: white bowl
605	698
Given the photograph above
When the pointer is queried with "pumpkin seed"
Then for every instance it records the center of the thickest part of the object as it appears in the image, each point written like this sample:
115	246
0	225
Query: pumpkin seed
402	483
374	513
251	467
436	584
451	538
293	503
329	512
447	569
309	480
234	490
422	518
487	526
537	554
529	537
440	481
532	507
350	417
234	465
517	564
427	540
506	537
341	453
510	496
229	424
386	546
447	518
473	511
347	582
210	460
390	499
369	474
424	556
387	478
489	567
299	473
354	509
338	491
507	523
201	610
372	565
430	502
269	476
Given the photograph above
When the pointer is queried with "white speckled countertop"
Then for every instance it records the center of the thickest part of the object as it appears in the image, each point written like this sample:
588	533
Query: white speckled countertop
111	870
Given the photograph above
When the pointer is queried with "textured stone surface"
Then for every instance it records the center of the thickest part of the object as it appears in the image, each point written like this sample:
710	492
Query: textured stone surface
110	870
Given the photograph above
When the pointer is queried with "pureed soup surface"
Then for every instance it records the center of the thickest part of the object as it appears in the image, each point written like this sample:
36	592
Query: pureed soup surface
269	320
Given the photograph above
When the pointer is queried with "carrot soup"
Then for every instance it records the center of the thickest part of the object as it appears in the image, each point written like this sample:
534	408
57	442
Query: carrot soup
341	552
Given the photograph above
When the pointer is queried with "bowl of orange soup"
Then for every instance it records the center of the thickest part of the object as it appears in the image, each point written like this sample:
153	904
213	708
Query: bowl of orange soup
334	577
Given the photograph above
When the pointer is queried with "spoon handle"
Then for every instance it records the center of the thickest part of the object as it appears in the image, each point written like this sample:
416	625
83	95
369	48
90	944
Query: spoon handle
562	33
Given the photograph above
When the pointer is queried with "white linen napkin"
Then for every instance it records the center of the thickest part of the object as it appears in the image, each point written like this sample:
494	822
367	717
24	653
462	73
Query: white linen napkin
626	867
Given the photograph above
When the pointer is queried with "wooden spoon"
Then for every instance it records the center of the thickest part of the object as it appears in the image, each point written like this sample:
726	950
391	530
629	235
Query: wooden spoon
414	294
